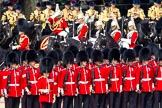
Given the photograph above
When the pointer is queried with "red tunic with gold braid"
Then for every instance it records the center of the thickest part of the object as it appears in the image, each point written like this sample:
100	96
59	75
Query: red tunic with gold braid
23	42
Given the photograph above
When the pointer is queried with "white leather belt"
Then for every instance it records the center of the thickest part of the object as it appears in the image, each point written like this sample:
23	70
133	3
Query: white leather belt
33	82
146	79
129	78
69	83
114	79
83	82
158	78
14	84
101	79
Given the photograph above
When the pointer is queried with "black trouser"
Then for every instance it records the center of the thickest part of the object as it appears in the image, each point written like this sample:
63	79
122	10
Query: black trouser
58	102
24	100
68	102
13	102
114	100
83	99
129	97
157	99
146	100
99	100
5	99
46	105
33	101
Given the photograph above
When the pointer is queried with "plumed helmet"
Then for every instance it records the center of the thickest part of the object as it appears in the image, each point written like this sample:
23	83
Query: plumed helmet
68	58
129	55
12	58
114	54
31	55
82	56
46	65
97	56
54	56
144	54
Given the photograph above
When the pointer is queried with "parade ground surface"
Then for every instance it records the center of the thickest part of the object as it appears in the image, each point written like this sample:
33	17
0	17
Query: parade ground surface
2	105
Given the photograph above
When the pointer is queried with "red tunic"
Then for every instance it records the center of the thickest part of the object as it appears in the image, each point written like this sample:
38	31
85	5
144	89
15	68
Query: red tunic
45	85
133	35
58	25
158	78
82	31
116	35
23	43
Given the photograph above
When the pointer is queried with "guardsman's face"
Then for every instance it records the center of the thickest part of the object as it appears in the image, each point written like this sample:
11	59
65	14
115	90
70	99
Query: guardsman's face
83	63
14	66
160	62
69	66
10	7
32	63
153	57
46	75
137	59
130	63
76	8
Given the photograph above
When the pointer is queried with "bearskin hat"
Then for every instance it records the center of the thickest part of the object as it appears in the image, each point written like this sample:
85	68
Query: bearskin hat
54	56
160	55
129	55
97	56
31	55
23	55
12	58
40	55
73	49
145	54
122	52
114	54
22	25
154	49
82	56
46	65
60	54
137	50
89	51
68	58
105	53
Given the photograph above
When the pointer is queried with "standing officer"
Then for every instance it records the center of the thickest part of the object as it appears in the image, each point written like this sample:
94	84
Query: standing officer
155	11
8	16
66	11
129	94
12	81
24	39
83	80
136	11
31	80
45	85
36	14
114	78
145	83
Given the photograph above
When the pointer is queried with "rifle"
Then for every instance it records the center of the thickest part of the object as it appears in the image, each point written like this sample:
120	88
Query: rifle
8	82
78	79
141	76
65	80
124	75
155	75
93	77
109	79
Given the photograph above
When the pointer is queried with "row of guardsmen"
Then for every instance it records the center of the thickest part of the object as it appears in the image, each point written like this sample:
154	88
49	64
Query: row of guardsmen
90	78
109	12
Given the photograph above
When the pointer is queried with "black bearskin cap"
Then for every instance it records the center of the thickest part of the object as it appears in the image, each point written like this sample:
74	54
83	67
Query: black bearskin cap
97	56
60	54
46	65
114	54
54	56
68	58
145	54
12	58
137	50
105	53
129	55
73	49
82	56
31	55
154	49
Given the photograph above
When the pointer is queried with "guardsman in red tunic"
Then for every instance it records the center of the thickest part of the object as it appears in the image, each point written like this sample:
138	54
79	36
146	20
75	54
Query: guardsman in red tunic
54	76
114	74
31	79
105	53
24	39
158	83
46	85
137	50
67	82
145	83
154	54
58	25
116	33
83	80
99	83
129	94
12	81
132	36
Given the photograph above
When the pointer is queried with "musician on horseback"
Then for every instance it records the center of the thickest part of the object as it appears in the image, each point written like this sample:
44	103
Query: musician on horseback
24	39
113	10
36	14
74	14
155	11
66	11
136	11
8	16
132	36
